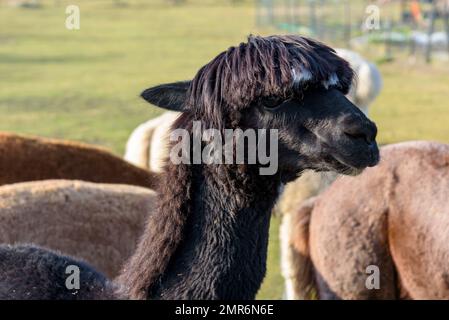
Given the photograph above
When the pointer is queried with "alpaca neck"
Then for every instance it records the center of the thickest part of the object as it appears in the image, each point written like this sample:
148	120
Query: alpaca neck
224	248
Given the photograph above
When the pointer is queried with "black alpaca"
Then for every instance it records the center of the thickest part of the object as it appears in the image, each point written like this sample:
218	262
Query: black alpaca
28	272
208	239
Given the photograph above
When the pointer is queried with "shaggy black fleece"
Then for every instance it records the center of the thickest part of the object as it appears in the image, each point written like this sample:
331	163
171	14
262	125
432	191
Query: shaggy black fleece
43	274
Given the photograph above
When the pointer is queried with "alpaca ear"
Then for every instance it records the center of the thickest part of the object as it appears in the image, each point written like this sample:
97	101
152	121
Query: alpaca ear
169	96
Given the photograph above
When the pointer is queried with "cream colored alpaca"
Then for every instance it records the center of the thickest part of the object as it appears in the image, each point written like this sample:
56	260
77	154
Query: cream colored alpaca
98	223
369	80
147	145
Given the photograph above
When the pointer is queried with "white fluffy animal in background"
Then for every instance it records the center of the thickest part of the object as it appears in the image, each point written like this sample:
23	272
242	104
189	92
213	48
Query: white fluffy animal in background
147	144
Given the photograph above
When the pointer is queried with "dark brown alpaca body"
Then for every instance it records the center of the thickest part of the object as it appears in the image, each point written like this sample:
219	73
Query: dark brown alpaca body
49	278
394	216
208	231
30	159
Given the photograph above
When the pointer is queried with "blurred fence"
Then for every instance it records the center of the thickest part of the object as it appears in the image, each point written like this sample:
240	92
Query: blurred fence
415	27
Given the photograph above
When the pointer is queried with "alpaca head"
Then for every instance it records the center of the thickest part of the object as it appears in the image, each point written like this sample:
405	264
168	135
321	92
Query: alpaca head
289	83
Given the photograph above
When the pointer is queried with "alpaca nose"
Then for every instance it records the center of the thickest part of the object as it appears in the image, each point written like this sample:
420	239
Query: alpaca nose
365	130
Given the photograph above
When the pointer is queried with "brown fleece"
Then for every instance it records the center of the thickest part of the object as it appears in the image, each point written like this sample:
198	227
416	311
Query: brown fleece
98	223
304	277
394	216
30	158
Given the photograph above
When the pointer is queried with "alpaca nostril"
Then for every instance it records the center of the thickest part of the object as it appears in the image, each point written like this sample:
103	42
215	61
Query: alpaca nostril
359	136
359	129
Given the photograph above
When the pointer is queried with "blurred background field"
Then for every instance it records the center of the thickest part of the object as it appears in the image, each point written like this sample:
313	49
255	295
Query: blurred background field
85	84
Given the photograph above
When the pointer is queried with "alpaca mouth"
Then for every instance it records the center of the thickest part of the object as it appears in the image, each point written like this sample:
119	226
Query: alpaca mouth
342	167
337	163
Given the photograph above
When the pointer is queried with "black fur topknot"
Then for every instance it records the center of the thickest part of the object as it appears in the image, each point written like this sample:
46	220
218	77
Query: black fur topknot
265	66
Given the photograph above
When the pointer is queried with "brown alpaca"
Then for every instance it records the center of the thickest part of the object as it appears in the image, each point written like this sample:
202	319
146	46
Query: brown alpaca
29	159
107	218
394	216
98	223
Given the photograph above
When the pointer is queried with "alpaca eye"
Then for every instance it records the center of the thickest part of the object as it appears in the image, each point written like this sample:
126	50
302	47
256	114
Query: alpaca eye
271	102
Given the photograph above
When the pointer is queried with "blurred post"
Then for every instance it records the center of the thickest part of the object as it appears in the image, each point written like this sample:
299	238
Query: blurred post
431	29
348	24
312	13
403	4
287	14
292	15
297	10
388	40
319	5
264	12
446	22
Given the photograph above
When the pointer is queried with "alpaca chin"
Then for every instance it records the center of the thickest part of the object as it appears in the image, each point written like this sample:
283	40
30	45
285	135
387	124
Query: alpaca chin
353	172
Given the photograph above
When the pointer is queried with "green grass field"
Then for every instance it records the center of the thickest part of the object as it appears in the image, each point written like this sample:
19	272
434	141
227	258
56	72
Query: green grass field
84	84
